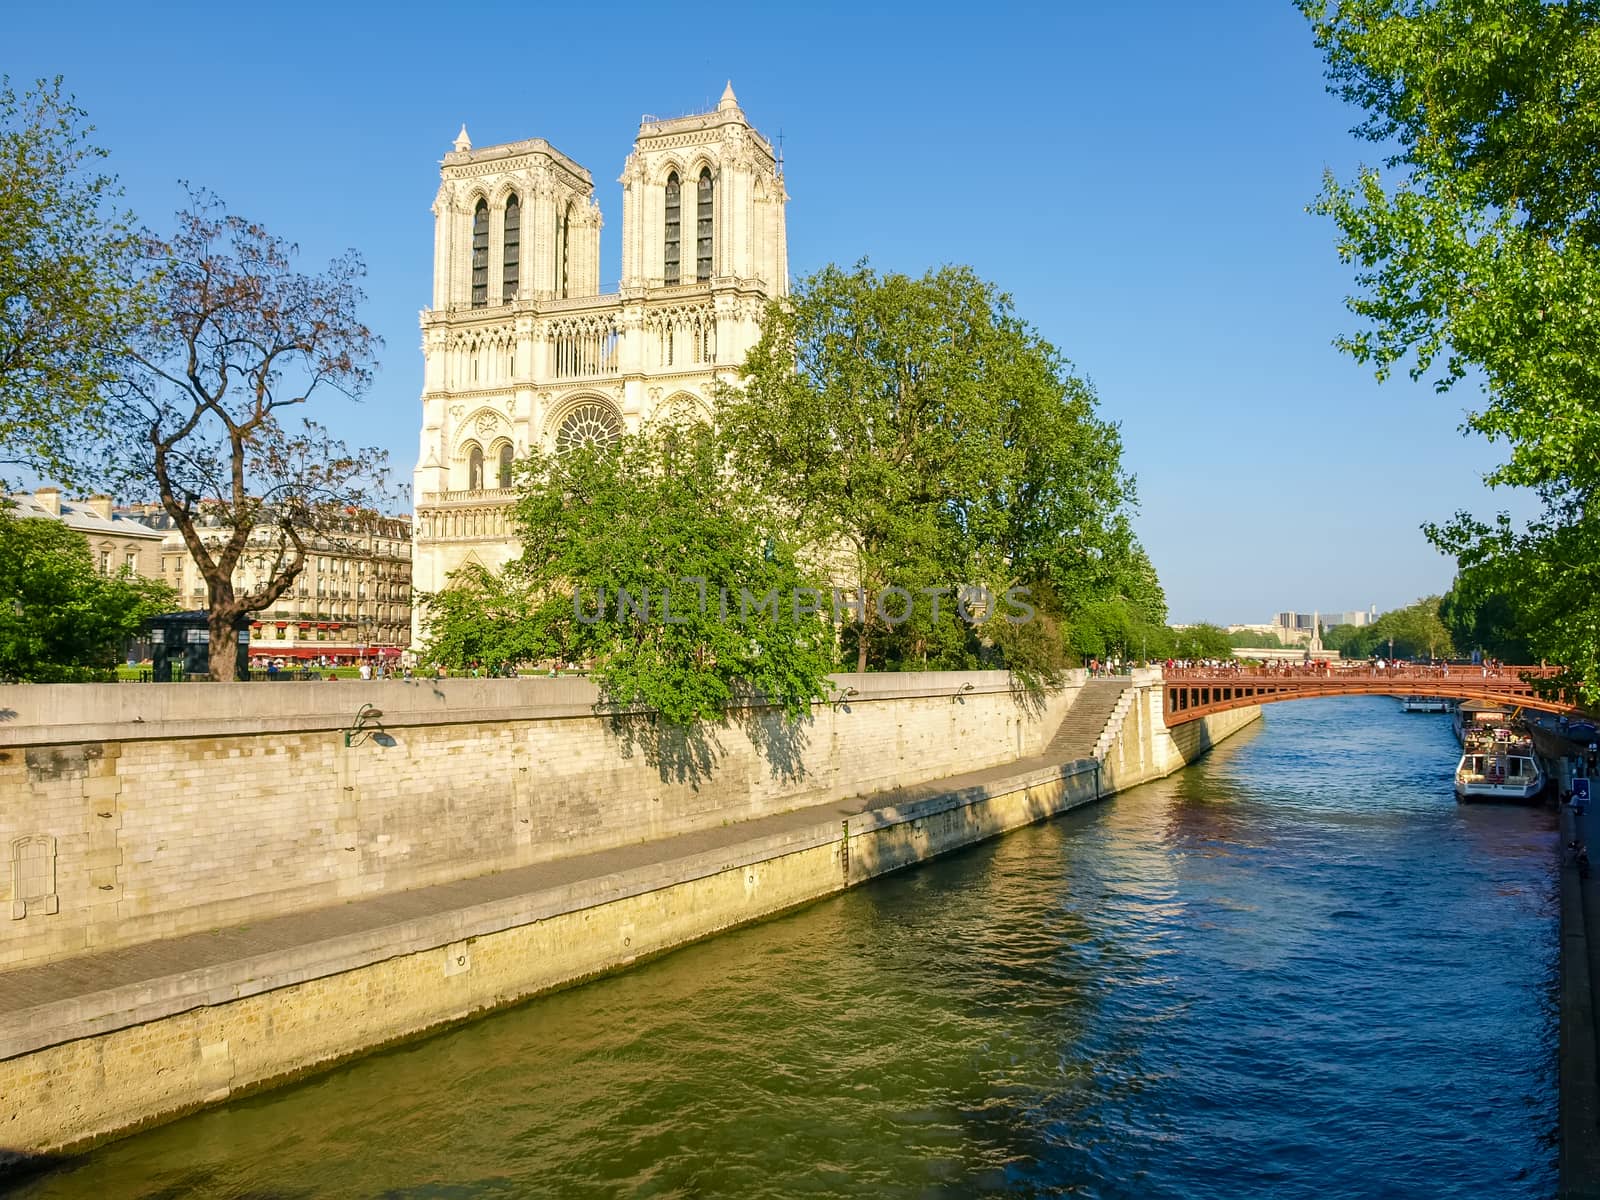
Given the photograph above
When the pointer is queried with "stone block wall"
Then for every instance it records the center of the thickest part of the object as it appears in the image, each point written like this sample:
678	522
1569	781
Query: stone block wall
134	812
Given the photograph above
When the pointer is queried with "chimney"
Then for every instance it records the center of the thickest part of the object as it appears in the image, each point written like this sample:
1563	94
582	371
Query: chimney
49	499
100	505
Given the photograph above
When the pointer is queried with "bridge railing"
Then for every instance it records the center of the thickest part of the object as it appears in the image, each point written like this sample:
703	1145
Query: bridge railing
1409	673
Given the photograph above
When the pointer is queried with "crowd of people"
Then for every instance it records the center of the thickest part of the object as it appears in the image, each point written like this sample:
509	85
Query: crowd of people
1377	667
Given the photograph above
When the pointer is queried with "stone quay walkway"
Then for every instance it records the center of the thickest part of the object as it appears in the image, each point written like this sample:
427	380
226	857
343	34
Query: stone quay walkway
98	992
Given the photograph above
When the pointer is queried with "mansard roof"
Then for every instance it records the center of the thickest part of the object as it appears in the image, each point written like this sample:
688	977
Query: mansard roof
75	514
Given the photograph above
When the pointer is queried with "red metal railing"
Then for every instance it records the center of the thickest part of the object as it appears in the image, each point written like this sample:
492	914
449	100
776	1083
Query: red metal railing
1194	692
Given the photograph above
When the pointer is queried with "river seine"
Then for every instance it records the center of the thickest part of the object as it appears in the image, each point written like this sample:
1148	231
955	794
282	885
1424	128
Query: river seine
1296	969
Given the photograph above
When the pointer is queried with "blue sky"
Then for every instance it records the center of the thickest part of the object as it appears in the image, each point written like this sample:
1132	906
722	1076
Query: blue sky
1134	175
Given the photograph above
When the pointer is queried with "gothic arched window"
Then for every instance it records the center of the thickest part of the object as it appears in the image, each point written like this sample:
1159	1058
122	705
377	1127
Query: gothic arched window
475	470
480	254
674	226
505	466
513	247
588	425
563	238
702	261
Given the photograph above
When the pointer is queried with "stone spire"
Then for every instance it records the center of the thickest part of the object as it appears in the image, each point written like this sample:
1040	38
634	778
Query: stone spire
729	102
1316	632
463	143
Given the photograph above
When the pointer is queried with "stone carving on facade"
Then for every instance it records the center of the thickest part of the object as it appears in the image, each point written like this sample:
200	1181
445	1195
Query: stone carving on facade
33	877
590	365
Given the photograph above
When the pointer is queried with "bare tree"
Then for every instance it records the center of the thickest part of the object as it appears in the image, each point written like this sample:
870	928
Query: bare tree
240	338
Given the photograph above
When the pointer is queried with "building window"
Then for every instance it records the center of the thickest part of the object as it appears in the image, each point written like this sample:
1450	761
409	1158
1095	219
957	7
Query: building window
588	425
674	229
563	235
702	263
480	255
505	466
475	470
105	562
513	248
131	561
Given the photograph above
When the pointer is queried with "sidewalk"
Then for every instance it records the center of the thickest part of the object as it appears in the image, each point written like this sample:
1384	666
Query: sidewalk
1579	1071
95	993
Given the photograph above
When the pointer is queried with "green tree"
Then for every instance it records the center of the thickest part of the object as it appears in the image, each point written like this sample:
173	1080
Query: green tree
665	570
917	434
1414	631
1203	640
59	619
1249	639
1478	259
239	340
1503	623
1345	640
70	293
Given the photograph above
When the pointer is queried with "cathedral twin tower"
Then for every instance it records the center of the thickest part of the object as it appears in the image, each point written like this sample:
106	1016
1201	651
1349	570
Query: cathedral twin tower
522	349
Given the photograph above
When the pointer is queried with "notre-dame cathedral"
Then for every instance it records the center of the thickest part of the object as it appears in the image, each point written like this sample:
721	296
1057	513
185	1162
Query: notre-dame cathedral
521	347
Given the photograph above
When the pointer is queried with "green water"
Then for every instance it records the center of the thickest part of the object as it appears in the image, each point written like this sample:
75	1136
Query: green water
1295	970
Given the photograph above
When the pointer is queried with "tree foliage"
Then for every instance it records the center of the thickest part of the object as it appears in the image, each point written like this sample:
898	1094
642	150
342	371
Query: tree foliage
1477	258
655	563
238	340
70	291
918	435
1249	639
1413	632
1202	640
60	620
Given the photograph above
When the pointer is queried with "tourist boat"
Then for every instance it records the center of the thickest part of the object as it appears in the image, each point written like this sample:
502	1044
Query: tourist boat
1498	764
1424	704
1479	715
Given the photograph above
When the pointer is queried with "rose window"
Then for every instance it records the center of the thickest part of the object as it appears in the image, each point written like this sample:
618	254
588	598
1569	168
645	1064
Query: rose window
588	425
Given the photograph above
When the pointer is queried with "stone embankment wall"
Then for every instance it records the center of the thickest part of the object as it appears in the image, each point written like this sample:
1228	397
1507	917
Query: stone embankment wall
129	813
88	1066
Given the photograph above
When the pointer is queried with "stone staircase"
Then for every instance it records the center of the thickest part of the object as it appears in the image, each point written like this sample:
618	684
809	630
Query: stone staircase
1083	730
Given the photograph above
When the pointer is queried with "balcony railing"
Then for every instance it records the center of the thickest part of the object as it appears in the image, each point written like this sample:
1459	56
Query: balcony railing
472	495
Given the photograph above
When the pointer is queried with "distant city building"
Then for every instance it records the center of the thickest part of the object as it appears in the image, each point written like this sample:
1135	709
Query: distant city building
351	599
117	542
1296	628
1350	618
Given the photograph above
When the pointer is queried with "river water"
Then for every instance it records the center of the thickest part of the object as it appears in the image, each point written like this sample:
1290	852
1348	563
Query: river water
1296	969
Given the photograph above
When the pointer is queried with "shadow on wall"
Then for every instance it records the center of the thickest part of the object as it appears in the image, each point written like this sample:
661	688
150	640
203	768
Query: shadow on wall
20	1166
689	754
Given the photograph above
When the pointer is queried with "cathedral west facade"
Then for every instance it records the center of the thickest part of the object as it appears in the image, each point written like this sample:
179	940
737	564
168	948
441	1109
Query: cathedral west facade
522	349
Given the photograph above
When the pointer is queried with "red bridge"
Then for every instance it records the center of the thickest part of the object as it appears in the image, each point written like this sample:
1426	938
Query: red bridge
1195	692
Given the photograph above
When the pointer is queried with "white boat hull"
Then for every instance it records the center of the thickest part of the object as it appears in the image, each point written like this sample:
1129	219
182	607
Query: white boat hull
1470	792
1487	776
1424	704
